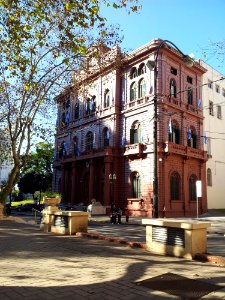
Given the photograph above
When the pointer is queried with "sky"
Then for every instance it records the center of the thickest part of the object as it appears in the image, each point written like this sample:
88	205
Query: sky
190	24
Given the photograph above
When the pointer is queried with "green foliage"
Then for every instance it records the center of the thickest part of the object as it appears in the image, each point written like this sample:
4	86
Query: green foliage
40	162
32	182
51	194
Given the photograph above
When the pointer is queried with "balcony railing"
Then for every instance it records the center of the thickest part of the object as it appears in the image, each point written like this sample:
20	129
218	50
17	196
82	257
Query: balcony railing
134	149
185	151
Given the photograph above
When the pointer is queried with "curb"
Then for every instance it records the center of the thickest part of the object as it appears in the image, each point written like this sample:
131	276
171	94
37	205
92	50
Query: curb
111	239
218	260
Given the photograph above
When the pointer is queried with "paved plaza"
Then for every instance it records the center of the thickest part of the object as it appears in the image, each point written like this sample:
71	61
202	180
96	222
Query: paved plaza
36	265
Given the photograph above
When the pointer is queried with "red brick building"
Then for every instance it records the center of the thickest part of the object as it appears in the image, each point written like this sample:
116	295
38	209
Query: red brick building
105	133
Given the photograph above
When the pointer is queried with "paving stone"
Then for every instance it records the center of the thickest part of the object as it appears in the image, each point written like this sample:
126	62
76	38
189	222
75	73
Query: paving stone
40	266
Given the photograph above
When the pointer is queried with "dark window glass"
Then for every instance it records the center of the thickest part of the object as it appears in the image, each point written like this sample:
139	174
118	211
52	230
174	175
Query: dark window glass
133	91
135	133
136	186
77	111
190	96
173	88
189	79
105	137
89	141
174	133
173	71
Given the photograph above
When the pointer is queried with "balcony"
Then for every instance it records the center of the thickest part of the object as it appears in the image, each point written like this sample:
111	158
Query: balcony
134	149
172	148
100	152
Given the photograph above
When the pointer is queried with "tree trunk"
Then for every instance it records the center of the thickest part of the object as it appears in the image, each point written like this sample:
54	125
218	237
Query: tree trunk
13	177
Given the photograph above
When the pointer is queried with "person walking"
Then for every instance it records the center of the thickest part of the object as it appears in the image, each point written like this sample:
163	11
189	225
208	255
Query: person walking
114	215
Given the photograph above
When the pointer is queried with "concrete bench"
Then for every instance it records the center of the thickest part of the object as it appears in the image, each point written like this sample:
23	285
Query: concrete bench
65	222
180	238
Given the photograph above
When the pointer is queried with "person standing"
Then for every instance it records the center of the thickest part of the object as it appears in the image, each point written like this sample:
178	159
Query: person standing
127	214
119	215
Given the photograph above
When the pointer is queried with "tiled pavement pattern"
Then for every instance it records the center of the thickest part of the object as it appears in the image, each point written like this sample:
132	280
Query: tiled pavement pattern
35	266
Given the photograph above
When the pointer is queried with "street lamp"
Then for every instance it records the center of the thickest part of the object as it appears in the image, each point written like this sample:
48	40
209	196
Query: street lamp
153	66
112	179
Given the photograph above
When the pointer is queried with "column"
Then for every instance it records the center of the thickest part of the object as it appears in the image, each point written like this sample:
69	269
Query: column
185	186
63	181
107	183
73	187
91	179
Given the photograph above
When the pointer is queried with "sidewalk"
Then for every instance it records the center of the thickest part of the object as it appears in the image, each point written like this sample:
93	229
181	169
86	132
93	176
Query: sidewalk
132	233
44	266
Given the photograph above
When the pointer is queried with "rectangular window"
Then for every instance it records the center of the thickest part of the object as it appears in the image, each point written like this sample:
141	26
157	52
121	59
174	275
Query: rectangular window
211	113
210	84
209	152
173	71
189	79
217	89
219	112
223	92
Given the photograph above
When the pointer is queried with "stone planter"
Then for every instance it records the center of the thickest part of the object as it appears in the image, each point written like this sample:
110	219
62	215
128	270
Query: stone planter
1	210
47	211
51	201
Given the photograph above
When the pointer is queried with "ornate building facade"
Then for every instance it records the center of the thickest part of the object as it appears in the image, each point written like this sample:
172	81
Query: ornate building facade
105	135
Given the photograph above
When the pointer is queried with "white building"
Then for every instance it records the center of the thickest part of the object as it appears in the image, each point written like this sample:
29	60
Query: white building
213	93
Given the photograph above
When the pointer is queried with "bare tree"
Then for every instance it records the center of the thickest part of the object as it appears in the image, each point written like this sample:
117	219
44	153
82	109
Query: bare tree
41	43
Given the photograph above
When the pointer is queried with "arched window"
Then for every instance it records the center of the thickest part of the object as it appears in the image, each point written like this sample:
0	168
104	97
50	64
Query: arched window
67	103
141	88
106	98
209	177
63	149
133	91
105	134
89	141
192	188
60	150
90	105
142	69
135	133
173	88
87	106
190	96
77	111
63	120
191	138
174	132
65	117
133	73
76	149
175	186
93	104
136	185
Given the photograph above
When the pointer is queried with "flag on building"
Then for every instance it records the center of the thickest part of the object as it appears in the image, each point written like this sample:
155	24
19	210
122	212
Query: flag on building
170	127
199	103
189	134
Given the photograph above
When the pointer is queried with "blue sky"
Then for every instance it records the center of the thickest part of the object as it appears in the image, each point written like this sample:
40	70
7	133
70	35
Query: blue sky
189	24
